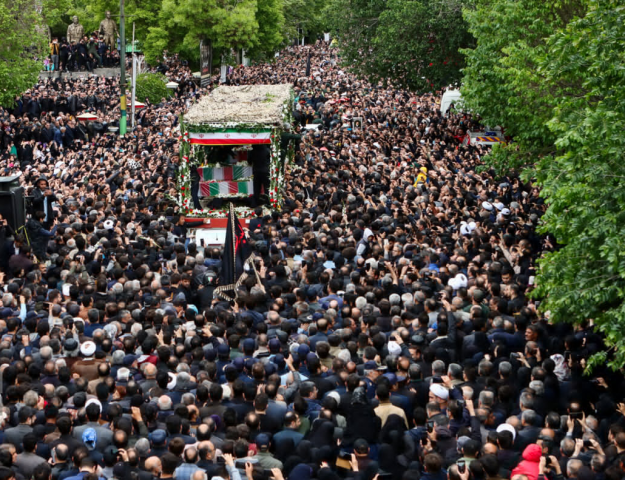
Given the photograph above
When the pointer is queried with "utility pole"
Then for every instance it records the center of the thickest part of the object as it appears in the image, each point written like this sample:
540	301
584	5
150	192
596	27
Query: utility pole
135	65
122	61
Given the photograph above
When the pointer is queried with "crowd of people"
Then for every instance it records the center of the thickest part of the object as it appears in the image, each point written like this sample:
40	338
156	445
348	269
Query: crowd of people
389	333
89	53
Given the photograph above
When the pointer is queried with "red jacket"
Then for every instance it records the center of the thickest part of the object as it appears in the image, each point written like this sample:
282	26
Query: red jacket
529	465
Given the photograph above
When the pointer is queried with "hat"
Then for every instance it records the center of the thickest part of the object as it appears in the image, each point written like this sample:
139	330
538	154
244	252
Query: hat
130	359
302	351
394	349
459	281
92	401
462	441
372	365
223	349
392	378
498	205
172	381
262	440
274	345
249	344
487	206
439	391
87	349
70	345
506	427
89	438
417	340
505	211
158	436
109	225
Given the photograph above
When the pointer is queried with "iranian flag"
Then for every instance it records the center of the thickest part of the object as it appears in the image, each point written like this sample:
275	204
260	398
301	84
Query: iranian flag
231	137
211	189
235	172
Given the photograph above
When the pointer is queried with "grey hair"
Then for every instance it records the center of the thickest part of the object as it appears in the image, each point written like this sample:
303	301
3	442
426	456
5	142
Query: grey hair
438	366
529	417
505	368
538	387
31	398
487	398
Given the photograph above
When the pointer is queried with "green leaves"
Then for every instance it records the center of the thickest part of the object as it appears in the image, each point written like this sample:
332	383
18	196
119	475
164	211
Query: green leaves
22	45
415	44
152	86
552	74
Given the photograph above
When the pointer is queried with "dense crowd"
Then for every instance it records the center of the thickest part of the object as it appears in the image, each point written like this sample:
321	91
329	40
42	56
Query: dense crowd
390	334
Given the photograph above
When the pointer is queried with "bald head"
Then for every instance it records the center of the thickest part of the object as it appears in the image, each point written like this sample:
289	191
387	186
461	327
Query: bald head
153	465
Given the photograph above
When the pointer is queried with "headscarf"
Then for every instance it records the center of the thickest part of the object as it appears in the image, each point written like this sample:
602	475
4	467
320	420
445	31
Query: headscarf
322	433
562	369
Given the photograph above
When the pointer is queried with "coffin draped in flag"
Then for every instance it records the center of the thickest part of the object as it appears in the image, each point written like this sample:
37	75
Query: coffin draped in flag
214	189
237	253
234	172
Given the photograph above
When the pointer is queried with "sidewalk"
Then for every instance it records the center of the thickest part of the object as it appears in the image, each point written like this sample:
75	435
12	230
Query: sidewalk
100	72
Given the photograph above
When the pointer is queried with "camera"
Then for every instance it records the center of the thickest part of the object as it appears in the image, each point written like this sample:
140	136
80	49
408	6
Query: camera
430	426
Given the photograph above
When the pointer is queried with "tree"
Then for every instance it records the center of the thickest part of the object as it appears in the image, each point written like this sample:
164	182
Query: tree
414	44
585	181
551	74
151	86
22	47
270	18
227	24
306	17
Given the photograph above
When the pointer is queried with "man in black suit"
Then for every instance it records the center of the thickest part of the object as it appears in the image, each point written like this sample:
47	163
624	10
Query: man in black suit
42	201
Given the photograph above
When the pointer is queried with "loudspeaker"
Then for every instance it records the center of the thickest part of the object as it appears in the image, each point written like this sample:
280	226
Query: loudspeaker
9	183
12	207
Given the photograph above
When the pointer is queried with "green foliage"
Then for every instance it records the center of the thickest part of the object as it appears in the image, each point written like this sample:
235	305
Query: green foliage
410	43
270	18
552	74
307	15
151	86
23	44
253	25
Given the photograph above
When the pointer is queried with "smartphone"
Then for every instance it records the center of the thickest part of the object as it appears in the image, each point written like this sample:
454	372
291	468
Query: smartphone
547	460
462	466
587	444
430	426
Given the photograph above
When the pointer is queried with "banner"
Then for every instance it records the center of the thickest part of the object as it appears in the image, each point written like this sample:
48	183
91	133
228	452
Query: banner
237	253
206	62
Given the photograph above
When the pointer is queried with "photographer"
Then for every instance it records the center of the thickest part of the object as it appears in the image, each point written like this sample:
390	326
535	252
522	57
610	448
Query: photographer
43	198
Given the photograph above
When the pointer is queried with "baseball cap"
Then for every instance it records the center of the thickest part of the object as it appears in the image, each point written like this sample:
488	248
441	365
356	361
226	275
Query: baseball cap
262	440
158	436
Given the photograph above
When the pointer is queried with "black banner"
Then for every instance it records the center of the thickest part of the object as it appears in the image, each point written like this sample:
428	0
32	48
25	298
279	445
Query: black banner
206	61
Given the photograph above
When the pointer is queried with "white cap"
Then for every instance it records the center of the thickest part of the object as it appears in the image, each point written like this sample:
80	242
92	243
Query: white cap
506	427
87	349
93	400
394	349
439	391
487	206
